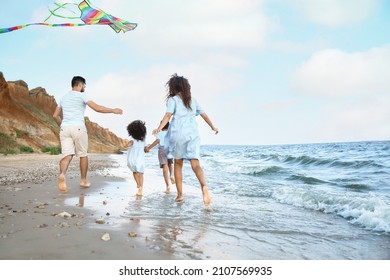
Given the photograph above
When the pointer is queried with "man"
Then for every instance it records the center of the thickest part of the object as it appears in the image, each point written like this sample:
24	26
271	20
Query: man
69	115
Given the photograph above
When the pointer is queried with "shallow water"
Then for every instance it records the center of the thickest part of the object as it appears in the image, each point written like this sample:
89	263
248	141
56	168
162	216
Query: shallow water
319	201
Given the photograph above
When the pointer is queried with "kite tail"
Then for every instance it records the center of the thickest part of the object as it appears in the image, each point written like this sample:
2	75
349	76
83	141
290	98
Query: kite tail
13	28
63	6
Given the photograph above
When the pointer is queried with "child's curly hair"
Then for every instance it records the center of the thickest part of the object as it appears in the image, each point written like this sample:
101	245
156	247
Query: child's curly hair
137	130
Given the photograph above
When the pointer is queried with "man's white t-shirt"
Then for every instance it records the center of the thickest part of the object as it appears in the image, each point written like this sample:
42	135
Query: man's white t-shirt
73	108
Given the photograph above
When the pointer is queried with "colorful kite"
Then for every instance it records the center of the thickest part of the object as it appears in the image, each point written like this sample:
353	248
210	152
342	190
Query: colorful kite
89	15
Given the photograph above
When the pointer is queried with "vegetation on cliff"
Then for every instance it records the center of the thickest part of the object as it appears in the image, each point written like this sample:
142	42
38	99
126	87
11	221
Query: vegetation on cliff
27	125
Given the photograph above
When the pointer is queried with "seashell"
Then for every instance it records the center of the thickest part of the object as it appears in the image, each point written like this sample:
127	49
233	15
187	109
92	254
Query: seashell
64	215
100	221
64	224
132	234
42	226
106	237
104	202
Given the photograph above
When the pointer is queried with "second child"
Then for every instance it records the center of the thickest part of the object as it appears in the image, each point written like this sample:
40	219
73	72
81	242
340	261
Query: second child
165	163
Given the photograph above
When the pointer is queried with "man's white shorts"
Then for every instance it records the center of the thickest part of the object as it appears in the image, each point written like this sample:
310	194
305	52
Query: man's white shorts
74	141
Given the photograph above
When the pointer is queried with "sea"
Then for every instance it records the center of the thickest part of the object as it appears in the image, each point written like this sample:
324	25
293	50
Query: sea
326	201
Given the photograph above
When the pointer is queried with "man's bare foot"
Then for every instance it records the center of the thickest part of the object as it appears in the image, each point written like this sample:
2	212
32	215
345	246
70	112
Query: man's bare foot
172	180
139	193
62	184
168	190
85	184
206	196
179	198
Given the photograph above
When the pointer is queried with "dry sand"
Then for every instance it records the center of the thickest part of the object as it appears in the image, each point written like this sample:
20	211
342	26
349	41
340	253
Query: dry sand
31	225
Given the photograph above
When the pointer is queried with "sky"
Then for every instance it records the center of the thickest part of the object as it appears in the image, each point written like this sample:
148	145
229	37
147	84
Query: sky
266	72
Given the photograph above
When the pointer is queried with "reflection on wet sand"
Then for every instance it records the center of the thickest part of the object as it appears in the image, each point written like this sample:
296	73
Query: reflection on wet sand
81	200
178	237
171	231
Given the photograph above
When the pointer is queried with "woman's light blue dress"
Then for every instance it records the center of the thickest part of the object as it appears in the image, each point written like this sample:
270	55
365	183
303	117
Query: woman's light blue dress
182	140
136	156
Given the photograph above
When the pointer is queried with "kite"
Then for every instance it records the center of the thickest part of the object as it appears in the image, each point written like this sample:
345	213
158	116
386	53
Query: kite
89	15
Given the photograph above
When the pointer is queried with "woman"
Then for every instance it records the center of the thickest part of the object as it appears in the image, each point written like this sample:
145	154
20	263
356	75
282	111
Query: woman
183	140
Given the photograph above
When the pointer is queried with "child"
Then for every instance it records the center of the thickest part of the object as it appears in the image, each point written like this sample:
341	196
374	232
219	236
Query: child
165	163
136	154
183	134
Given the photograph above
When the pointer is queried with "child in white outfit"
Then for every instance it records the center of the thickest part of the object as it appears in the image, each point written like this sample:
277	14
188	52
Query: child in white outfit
136	153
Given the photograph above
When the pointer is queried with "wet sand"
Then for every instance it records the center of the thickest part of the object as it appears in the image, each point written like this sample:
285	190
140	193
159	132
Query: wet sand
39	223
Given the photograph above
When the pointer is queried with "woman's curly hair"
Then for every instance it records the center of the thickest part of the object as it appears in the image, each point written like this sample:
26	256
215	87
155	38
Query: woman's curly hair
178	85
137	130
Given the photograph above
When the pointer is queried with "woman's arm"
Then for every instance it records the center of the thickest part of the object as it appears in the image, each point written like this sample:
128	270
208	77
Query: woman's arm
164	121
209	122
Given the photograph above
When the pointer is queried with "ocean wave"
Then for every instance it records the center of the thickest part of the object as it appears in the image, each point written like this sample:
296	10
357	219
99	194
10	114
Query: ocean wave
357	187
307	160
302	161
264	171
252	169
307	180
368	211
334	162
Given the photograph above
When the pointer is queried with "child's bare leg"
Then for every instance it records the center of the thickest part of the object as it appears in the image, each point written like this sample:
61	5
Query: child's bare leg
140	183
178	177
137	181
136	178
171	172
202	180
165	174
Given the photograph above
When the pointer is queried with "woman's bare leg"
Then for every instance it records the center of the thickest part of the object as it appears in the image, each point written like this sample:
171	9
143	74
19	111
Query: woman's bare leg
178	178
202	180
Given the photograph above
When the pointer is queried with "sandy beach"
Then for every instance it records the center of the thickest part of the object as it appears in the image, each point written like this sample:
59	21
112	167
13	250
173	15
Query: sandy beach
258	218
39	223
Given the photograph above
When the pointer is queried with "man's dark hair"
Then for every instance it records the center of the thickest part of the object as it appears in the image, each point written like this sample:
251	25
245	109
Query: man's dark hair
77	80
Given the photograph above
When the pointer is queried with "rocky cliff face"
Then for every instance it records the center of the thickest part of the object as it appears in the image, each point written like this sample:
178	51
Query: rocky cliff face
26	116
